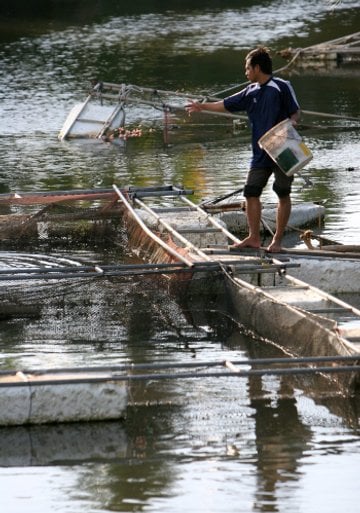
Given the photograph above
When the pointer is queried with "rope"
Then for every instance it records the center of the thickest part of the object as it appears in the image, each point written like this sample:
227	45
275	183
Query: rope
305	231
158	102
225	91
215	96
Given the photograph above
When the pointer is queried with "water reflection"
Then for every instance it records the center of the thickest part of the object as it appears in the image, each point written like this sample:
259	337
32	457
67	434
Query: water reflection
62	444
281	440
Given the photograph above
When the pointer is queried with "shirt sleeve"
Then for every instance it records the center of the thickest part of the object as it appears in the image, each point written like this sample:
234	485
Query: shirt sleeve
237	101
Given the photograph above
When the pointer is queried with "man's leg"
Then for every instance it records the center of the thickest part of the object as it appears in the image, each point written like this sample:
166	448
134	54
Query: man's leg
282	218
253	213
256	180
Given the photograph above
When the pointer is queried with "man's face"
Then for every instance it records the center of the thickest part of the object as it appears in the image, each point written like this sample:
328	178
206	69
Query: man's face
251	72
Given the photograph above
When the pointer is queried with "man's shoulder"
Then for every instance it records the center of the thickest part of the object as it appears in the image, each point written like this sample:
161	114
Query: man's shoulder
249	89
241	99
284	89
252	89
280	80
279	83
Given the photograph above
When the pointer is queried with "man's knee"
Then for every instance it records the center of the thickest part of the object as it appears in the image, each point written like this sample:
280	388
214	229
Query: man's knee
282	184
252	191
282	192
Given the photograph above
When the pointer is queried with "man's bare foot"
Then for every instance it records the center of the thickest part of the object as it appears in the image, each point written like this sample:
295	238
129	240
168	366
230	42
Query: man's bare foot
274	247
248	242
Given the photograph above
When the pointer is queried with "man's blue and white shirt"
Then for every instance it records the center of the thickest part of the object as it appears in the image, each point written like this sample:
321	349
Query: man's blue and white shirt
266	105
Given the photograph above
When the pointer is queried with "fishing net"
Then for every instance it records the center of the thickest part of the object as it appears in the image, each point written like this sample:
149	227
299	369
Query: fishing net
115	113
61	223
30	232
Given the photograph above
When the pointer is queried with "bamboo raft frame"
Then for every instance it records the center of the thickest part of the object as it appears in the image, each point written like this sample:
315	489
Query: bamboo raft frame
248	279
255	306
342	49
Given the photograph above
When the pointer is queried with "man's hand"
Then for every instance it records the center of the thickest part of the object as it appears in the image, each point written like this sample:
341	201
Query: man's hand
193	106
295	118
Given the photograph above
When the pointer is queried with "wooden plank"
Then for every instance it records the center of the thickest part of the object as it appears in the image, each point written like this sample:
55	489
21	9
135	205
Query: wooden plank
28	198
329	310
319	253
198	230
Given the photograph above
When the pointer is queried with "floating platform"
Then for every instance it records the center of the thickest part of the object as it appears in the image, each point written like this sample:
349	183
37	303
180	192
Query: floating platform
344	49
302	215
60	395
335	271
73	443
58	213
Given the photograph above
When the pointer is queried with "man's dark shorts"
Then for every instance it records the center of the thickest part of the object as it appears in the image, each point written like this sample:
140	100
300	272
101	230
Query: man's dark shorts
257	178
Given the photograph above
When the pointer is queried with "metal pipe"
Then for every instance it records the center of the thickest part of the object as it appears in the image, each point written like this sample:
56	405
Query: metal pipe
98	274
137	270
189	375
188	365
86	268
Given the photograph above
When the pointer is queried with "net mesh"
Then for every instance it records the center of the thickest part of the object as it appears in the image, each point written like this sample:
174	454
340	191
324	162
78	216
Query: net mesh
59	223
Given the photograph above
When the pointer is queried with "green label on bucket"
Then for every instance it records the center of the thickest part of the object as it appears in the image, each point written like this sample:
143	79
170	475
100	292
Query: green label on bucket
286	160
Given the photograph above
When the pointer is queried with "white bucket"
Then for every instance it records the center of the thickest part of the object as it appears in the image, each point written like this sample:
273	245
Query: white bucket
285	147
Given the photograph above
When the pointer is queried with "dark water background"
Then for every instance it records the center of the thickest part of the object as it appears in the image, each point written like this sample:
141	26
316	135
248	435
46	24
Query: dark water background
207	446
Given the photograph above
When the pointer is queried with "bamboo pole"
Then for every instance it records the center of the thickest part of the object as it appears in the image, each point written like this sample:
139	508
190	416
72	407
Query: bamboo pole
214	97
143	226
169	228
335	41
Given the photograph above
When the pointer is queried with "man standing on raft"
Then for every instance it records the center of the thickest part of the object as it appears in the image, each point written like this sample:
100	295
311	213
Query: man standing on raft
267	101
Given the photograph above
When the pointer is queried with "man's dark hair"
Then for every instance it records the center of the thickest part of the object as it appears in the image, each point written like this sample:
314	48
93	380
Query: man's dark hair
261	56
